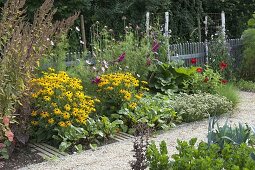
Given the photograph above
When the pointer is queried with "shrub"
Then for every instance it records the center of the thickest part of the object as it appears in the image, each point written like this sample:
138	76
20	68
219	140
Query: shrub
59	102
247	65
116	89
246	85
155	111
198	106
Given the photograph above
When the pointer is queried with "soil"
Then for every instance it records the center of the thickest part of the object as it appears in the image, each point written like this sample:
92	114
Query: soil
20	157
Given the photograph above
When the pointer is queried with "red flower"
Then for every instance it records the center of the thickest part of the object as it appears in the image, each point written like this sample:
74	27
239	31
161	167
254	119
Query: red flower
9	135
223	81
193	61
206	79
6	120
223	65
199	70
121	57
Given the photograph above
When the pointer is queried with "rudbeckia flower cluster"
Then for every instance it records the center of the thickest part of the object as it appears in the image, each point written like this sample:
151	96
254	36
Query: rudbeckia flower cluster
121	88
59	101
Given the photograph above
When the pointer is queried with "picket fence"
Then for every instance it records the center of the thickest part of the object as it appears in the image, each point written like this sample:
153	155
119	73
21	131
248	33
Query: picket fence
181	52
199	50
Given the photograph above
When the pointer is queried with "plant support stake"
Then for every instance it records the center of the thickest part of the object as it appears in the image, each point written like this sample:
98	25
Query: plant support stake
83	33
167	33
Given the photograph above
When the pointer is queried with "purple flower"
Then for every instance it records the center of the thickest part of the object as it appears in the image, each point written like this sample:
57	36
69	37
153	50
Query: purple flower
155	46
96	80
121	57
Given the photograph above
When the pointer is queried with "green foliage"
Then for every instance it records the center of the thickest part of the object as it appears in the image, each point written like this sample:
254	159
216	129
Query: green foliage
70	137
167	77
245	85
135	48
207	81
86	73
199	106
155	111
247	69
230	92
212	157
218	54
57	56
158	158
101	129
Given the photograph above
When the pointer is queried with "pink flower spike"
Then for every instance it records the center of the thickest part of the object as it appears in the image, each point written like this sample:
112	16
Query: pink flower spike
155	46
9	135
6	120
96	80
121	57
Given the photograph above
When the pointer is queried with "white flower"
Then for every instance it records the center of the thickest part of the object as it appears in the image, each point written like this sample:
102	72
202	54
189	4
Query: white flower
105	64
88	62
103	69
52	43
81	42
77	28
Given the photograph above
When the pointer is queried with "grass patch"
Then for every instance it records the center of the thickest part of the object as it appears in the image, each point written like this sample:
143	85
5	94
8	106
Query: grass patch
230	92
246	85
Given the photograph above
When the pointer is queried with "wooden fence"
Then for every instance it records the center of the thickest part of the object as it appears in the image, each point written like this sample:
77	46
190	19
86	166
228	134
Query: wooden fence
182	52
199	50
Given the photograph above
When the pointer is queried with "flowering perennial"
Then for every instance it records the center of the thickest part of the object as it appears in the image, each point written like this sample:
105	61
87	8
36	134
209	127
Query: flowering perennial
59	101
120	88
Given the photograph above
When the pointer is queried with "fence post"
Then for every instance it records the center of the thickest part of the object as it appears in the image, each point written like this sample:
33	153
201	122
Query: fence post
206	42
84	44
223	24
148	24
167	34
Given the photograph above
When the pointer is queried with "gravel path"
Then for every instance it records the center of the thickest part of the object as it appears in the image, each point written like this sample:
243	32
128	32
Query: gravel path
116	156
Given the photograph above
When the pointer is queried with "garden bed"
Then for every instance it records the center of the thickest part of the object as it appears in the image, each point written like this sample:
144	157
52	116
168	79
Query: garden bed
117	155
21	157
